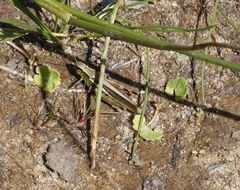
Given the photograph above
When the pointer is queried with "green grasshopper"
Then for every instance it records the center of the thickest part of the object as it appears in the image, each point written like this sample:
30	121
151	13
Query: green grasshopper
111	94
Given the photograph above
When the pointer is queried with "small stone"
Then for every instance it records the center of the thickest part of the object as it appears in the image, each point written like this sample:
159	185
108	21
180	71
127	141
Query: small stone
61	159
236	135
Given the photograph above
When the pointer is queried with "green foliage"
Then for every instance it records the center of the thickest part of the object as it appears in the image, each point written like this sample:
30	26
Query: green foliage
163	28
47	78
146	132
19	25
42	27
177	87
115	31
20	29
11	35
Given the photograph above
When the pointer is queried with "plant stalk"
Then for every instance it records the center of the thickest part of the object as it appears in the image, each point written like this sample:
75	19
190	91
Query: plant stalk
145	102
118	32
212	22
100	88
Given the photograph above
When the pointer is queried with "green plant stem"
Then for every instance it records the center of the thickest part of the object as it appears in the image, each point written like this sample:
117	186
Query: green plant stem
68	2
129	5
163	28
125	34
118	32
136	38
87	36
145	102
44	29
100	88
91	7
212	22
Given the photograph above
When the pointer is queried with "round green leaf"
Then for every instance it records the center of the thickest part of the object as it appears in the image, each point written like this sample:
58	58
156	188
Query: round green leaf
146	132
47	78
177	87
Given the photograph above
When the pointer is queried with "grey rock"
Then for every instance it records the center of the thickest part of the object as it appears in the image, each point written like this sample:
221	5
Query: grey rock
152	183
61	159
236	135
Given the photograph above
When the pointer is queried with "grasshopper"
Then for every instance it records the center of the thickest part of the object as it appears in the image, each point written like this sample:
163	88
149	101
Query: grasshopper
111	94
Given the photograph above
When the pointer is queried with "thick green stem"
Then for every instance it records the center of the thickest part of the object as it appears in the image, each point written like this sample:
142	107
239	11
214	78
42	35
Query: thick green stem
118	32
123	33
44	29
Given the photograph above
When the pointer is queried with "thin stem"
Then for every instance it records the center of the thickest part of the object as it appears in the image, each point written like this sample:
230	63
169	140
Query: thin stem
212	22
91	7
44	29
118	32
99	90
145	102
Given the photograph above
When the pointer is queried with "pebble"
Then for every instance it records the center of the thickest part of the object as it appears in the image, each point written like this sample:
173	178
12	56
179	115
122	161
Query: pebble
236	135
61	159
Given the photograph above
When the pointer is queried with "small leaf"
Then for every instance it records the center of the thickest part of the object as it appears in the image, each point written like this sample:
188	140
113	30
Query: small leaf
177	87
18	24
146	132
47	78
11	29
42	27
136	120
10	35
